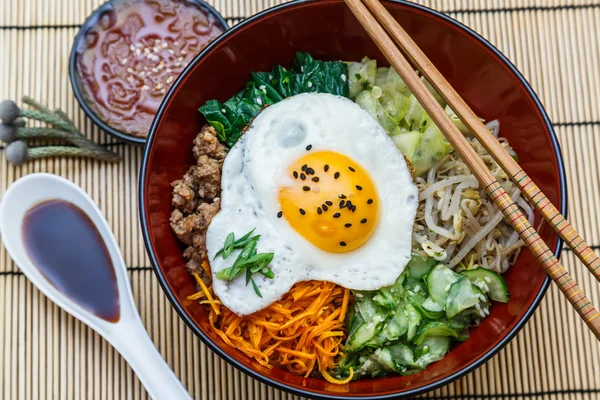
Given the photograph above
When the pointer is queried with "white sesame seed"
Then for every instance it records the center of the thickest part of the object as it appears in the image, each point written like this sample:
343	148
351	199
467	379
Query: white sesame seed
154	70
343	76
447	288
130	70
132	47
179	58
156	41
159	85
177	64
145	87
359	295
170	79
164	44
487	279
270	76
262	87
309	84
124	61
171	51
138	52
175	43
259	101
163	90
477	306
142	73
184	52
156	49
223	110
146	50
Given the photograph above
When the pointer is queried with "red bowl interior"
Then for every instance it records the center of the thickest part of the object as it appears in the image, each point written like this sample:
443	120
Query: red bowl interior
328	30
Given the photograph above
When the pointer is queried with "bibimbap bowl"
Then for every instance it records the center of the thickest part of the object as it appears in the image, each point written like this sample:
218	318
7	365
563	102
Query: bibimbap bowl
490	84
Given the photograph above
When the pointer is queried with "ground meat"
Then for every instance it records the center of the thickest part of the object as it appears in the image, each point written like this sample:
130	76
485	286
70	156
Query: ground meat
207	144
208	176
196	198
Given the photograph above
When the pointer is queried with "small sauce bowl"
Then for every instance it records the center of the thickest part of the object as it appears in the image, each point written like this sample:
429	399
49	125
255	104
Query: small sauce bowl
129	75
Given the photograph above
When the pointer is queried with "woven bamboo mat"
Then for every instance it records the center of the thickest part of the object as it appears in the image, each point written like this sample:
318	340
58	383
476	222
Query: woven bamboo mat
46	354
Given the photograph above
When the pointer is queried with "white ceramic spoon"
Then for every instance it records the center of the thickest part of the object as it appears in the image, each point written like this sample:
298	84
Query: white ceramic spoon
128	335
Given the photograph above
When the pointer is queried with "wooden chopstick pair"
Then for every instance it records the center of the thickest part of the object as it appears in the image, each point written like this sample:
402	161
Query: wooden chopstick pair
380	34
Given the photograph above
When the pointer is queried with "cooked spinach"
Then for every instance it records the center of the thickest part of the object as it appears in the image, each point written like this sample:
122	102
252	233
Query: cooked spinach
264	88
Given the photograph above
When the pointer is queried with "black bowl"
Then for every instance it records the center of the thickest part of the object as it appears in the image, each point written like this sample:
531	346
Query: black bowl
91	21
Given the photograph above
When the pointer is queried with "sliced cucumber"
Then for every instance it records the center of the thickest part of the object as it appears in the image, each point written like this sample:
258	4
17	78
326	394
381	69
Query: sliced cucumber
414	319
417	300
462	296
431	305
439	281
362	336
432	349
438	328
490	282
419	266
408	143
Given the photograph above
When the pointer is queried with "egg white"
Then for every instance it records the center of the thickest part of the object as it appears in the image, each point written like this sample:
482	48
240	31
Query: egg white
257	167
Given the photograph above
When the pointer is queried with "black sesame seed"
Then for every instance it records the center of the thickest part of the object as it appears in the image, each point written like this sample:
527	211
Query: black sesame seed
370	201
349	204
326	167
342	202
336	175
319	210
304	167
336	215
353	208
329	203
315	179
295	174
325	208
343	244
279	214
310	171
302	176
351	169
309	147
341	196
348	225
302	211
363	221
306	188
359	187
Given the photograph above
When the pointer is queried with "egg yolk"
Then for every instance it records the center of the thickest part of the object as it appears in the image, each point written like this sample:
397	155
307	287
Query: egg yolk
332	201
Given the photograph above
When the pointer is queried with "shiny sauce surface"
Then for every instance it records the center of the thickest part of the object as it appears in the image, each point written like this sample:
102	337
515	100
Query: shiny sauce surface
65	245
131	57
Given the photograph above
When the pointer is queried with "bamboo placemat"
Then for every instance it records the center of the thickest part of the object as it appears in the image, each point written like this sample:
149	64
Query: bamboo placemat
46	354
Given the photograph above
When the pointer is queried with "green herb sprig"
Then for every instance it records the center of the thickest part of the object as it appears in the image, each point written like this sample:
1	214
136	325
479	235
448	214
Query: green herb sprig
16	134
248	261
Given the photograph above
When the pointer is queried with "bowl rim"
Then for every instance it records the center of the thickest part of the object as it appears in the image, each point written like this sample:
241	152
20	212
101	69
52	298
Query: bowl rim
74	79
305	392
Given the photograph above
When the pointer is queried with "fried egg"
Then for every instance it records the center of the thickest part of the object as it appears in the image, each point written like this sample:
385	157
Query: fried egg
327	191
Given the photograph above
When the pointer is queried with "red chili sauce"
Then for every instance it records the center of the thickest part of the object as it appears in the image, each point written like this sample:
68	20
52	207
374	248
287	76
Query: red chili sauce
132	56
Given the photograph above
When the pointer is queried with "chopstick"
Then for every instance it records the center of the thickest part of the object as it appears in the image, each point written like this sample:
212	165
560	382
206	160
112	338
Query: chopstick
511	211
558	222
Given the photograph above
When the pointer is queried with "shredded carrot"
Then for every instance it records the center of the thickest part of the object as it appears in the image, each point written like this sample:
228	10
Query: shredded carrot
302	331
207	293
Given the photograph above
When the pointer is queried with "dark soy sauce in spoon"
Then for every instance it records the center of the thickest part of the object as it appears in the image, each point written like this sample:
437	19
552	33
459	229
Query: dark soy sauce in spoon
64	244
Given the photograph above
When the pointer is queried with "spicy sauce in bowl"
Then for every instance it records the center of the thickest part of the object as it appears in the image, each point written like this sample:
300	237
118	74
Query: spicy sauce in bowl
128	54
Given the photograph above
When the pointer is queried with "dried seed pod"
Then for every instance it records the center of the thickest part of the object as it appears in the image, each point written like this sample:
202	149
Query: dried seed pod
17	152
8	133
9	111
